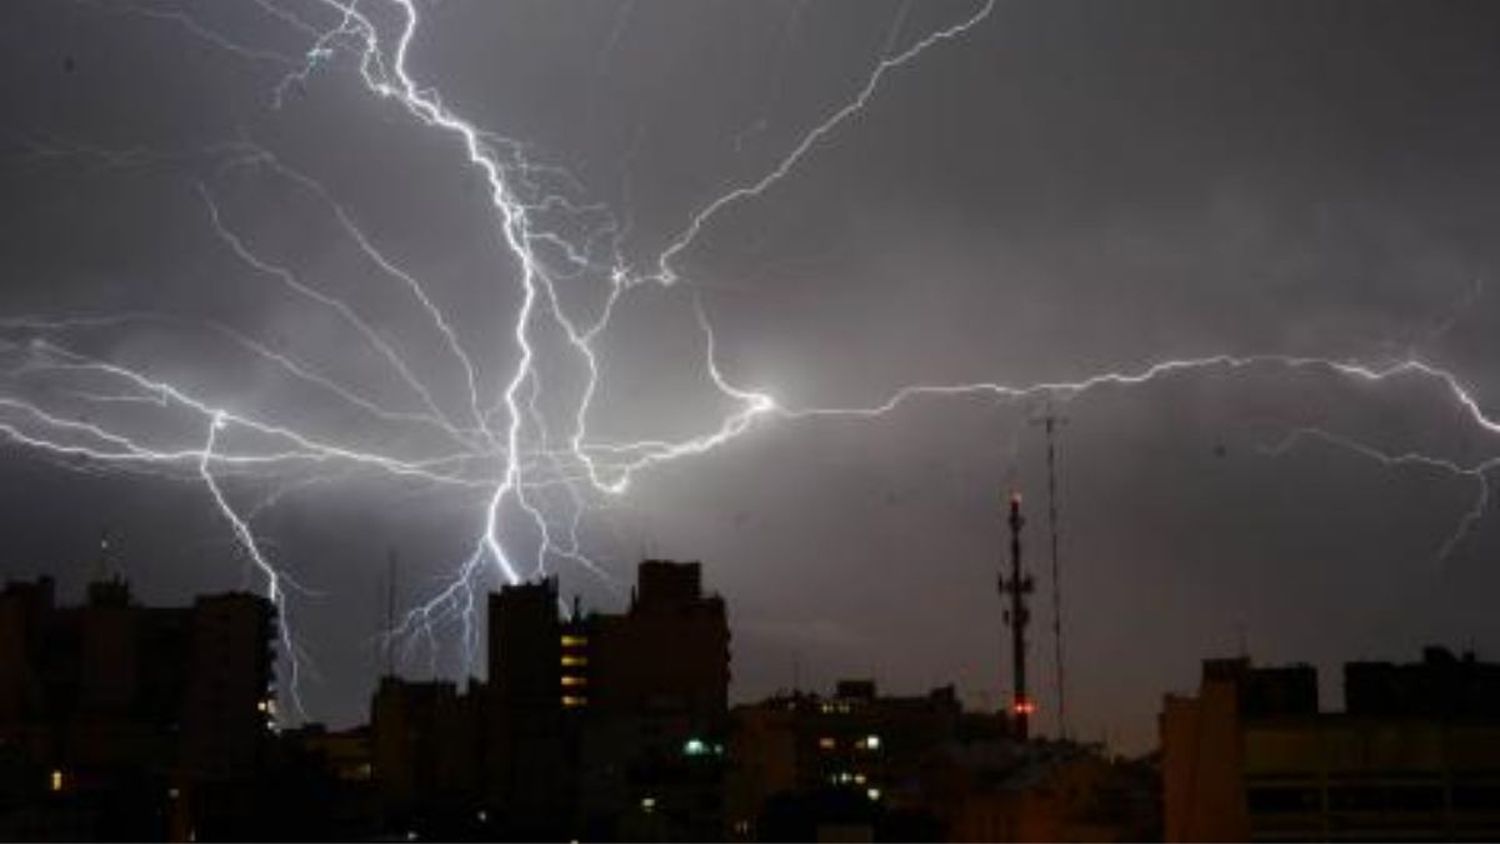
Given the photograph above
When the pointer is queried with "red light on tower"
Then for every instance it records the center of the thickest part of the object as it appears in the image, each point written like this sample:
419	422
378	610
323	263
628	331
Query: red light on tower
1024	706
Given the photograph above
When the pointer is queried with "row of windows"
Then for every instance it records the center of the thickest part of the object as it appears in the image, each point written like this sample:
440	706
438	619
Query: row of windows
1374	798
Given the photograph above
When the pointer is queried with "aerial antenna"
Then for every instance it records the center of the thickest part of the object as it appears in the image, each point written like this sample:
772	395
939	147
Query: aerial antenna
390	613
99	570
1050	422
1016	588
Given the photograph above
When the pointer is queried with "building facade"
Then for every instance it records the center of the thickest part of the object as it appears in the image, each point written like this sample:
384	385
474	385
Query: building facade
1415	754
610	725
140	720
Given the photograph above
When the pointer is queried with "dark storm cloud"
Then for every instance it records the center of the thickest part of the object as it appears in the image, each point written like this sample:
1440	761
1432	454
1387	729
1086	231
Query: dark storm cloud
1070	188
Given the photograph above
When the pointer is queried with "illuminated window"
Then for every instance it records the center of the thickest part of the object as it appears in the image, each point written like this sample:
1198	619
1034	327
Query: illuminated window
827	743
573	701
648	804
572	661
570	680
859	779
694	747
569	641
872	793
872	743
57	781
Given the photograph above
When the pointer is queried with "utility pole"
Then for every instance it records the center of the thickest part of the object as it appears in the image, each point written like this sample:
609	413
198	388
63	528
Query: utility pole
1050	423
1016	588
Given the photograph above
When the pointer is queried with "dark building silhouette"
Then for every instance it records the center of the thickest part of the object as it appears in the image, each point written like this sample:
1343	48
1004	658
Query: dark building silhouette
426	756
652	702
805	763
131	721
861	766
528	752
609	725
324	786
1415	755
1440	686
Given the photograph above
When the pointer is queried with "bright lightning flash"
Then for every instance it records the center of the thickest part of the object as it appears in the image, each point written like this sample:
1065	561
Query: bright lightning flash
531	484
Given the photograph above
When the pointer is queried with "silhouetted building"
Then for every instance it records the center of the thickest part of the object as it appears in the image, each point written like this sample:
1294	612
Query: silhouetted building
427	756
136	721
321	786
527	766
860	766
654	724
805	763
610	725
1041	791
1416	754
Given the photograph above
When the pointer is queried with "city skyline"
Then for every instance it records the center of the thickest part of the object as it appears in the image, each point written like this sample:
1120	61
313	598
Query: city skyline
840	257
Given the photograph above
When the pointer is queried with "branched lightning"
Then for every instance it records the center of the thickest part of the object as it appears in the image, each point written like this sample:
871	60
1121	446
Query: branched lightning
530	479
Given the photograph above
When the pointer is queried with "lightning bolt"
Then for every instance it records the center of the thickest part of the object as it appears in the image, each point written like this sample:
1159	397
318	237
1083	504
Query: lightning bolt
530	480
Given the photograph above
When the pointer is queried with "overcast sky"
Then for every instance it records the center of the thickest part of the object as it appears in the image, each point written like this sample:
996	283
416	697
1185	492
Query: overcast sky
1065	189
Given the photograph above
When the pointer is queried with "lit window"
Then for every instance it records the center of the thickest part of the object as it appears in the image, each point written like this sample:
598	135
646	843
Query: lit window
569	641
827	743
573	702
570	680
648	804
694	747
859	779
872	793
872	742
571	661
57	780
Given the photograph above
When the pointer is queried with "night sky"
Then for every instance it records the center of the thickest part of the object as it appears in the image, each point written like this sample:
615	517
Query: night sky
1063	190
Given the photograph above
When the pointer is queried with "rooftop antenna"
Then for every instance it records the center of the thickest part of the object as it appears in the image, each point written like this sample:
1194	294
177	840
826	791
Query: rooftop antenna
1050	422
390	613
99	570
